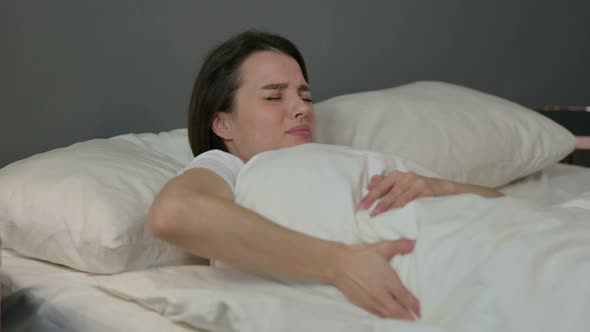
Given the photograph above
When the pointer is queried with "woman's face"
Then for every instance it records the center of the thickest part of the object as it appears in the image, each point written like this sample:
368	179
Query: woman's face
272	107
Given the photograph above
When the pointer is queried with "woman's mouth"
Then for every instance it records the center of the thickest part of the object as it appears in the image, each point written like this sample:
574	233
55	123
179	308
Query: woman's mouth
300	131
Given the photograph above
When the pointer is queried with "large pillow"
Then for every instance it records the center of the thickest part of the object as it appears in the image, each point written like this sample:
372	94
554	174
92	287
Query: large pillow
462	134
340	173
315	189
85	206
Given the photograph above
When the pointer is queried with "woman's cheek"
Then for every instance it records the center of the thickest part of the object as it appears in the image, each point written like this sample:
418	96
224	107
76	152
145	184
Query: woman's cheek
274	114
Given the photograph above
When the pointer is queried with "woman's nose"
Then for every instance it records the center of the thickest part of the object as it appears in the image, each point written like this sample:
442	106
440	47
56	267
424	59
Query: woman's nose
302	108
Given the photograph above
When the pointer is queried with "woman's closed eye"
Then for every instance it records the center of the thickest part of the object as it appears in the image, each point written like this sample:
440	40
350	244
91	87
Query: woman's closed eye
306	96
275	98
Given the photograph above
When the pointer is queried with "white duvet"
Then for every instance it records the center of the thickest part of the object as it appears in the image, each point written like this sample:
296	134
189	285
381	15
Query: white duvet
479	264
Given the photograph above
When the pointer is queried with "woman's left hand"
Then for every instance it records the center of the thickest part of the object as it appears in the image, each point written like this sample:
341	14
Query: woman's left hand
398	188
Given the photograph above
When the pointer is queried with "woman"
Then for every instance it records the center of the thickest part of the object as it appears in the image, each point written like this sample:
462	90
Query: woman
252	95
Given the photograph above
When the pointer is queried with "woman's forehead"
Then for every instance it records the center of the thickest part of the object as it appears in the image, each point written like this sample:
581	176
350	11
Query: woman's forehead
268	67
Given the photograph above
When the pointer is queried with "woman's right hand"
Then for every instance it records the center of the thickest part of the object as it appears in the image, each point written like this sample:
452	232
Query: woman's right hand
366	278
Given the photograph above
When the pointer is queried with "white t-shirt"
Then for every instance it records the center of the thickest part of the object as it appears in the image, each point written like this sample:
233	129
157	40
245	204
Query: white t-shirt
222	163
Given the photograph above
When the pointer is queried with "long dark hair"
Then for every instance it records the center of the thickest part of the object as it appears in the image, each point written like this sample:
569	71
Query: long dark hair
216	84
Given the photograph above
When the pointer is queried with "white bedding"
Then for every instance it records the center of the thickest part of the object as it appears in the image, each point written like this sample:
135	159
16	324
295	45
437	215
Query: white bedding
479	264
49	297
493	265
511	271
553	185
88	309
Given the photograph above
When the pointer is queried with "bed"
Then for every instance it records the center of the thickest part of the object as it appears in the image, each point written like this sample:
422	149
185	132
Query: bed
107	287
41	296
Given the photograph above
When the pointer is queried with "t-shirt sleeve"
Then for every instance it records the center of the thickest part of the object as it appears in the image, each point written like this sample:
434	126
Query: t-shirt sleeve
224	164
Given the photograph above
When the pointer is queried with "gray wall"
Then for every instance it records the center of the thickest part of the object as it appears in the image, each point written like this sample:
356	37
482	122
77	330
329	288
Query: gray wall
73	70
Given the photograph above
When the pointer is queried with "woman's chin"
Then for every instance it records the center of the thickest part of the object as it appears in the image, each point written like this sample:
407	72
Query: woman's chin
301	141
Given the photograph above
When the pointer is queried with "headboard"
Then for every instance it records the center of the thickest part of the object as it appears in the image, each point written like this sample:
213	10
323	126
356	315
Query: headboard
577	120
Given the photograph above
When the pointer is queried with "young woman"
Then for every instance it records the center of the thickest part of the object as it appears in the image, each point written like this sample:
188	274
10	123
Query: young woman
252	95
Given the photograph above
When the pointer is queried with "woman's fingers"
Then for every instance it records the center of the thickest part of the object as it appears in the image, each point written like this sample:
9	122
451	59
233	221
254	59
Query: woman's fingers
406	197
367	279
405	188
389	249
384	305
403	295
381	302
375	179
400	188
391	308
395	299
418	189
380	188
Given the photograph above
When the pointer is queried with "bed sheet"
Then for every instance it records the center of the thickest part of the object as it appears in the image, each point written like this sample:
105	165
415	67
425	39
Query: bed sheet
552	185
55	298
41	296
50	297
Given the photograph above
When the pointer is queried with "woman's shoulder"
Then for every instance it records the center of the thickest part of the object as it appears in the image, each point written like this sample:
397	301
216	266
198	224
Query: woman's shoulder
220	162
217	155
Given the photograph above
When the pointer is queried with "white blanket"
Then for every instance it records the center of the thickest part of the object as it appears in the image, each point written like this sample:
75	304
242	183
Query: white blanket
493	264
479	264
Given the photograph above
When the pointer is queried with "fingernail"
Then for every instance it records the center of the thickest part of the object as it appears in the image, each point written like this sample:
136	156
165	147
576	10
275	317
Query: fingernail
375	212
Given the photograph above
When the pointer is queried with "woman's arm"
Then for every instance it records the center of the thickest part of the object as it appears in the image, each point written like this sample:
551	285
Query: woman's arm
455	188
397	188
195	211
207	223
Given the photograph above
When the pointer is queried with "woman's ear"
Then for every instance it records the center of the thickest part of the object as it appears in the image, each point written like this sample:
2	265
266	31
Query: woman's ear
221	126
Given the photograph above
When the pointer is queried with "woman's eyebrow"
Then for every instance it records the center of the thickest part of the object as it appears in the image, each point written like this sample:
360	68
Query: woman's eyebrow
282	86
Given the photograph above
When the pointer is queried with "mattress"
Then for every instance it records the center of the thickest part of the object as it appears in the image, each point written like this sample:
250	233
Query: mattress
45	297
554	184
40	296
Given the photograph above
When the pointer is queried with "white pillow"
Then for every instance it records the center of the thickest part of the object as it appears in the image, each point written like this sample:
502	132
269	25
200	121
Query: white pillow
315	189
85	206
340	175
462	134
